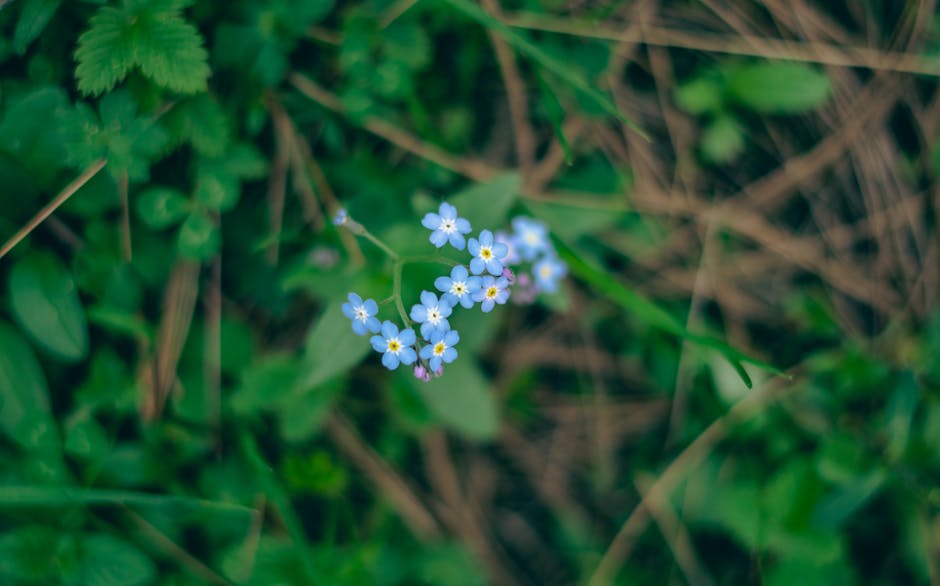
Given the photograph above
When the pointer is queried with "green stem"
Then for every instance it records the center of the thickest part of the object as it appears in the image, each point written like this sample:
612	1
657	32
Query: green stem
385	248
396	292
427	258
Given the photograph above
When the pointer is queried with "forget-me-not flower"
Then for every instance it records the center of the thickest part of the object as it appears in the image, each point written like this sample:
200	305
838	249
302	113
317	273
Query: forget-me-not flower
459	287
531	237
362	313
447	227
431	314
441	349
548	272
487	254
491	292
395	346
512	255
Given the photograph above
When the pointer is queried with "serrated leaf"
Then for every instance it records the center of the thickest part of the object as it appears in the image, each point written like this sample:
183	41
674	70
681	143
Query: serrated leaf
153	36
45	303
23	391
109	561
161	207
200	121
199	237
462	400
34	17
778	88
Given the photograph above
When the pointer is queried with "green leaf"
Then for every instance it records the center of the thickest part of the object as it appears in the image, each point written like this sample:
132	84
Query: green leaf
778	88
127	142
899	416
29	133
23	391
722	140
837	506
109	561
153	36
462	400
701	95
34	17
26	553
651	313
199	237
406	42
63	496
332	347
45	303
486	205
161	207
201	121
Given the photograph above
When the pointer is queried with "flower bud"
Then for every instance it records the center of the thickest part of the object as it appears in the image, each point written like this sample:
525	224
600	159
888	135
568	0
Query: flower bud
421	373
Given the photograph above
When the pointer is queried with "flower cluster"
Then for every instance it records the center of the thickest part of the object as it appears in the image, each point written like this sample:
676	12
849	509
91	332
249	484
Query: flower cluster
486	280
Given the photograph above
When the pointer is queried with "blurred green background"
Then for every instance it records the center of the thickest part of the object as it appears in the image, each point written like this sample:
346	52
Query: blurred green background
738	382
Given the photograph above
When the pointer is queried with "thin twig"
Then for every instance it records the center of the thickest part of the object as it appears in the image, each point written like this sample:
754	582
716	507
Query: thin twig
277	182
60	199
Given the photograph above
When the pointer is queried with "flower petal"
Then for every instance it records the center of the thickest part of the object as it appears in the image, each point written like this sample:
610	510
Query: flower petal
390	360
473	245
407	337
500	250
457	240
438	238
378	343
447	211
443	284
486	238
459	273
463	226
419	313
466	301
477	266
449	355
373	324
428	299
389	330
348	311
427	351
434	363
451	338
359	327
355	300
408	355
431	221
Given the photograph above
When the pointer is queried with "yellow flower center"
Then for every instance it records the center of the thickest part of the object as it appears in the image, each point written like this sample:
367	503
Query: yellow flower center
492	292
394	346
439	348
545	271
486	253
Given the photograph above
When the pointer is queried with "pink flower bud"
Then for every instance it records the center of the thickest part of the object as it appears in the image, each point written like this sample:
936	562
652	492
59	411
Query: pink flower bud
421	373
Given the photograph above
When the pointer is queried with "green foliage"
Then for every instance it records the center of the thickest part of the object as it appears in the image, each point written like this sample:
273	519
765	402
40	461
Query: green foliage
149	34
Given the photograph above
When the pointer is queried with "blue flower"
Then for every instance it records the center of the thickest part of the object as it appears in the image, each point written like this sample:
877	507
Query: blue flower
492	291
531	237
459	287
341	217
431	314
446	227
395	347
548	272
362	314
440	349
487	255
512	254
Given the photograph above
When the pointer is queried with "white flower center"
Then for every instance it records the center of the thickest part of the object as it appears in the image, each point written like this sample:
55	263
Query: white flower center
448	226
491	292
394	345
458	288
439	348
434	316
361	313
531	238
486	253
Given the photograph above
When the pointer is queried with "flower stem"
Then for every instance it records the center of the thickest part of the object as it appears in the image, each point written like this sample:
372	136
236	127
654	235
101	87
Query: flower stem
442	260
396	292
385	248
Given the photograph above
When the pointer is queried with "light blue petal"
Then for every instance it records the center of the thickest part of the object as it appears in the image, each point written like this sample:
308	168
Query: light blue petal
378	343
486	238
453	299
463	226
449	355
443	284
419	313
407	337
428	299
487	305
473	283
434	363
445	308
355	300
373	324
477	266
390	361
348	311
408	355
389	330
466	301
426	330
459	273
447	211
451	338
494	267
457	241
502	296
502	282
473	245
431	221
371	306
359	327
500	250
438	238
427	351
